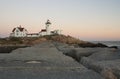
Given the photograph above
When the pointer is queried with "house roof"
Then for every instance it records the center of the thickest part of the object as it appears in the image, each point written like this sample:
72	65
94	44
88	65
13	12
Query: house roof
13	29
48	22
33	34
43	30
20	29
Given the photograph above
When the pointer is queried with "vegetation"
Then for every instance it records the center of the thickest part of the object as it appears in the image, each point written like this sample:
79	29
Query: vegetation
26	40
59	38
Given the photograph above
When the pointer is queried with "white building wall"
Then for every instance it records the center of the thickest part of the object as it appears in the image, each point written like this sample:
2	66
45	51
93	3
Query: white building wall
32	35
57	32
28	35
18	33
43	33
48	32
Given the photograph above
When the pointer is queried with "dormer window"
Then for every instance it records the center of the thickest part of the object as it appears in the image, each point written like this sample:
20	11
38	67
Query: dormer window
17	31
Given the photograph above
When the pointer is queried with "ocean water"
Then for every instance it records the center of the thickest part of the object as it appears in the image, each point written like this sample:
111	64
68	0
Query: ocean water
109	43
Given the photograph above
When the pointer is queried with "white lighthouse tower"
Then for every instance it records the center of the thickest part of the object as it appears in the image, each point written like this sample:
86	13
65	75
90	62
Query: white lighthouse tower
48	23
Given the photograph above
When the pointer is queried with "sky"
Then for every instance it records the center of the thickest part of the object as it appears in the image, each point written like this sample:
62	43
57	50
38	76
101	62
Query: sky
83	19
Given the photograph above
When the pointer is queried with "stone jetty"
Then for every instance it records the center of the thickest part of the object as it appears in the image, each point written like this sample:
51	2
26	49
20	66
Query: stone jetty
43	61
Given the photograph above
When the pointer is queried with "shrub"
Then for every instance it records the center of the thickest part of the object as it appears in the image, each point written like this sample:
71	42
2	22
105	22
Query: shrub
15	39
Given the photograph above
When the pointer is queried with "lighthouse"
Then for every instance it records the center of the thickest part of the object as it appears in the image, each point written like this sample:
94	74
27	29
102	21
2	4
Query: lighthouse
48	23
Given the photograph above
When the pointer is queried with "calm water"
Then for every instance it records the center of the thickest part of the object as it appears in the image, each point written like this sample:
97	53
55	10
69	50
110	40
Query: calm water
109	43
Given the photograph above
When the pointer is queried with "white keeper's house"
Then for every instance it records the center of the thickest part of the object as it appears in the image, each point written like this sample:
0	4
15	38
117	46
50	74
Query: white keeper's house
22	32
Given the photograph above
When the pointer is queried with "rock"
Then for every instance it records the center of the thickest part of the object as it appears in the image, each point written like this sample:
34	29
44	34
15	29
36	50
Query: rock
8	49
77	53
105	54
33	62
115	47
70	52
105	61
110	69
42	61
108	74
88	44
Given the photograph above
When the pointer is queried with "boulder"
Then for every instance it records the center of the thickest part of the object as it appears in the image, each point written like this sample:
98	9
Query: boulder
115	47
88	44
109	69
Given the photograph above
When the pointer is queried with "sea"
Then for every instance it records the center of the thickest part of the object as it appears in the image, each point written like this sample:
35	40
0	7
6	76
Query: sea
109	43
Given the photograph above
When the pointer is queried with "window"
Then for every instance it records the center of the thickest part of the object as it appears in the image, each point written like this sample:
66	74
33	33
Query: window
17	34
17	31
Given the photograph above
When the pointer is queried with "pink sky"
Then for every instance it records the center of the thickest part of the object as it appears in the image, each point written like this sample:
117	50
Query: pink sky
84	19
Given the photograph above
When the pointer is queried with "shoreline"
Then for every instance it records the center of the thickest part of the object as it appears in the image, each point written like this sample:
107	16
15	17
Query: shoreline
108	43
8	49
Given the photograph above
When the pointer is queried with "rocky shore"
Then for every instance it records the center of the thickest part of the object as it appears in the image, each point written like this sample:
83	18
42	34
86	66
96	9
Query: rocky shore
9	44
8	49
55	60
105	61
58	57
